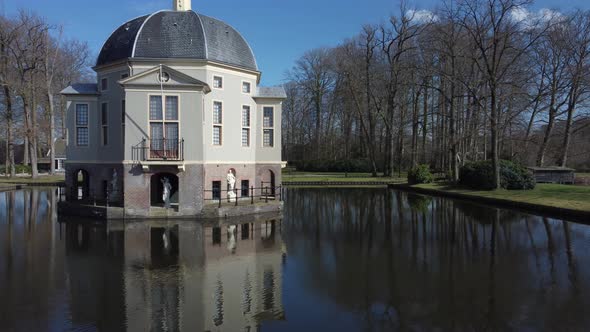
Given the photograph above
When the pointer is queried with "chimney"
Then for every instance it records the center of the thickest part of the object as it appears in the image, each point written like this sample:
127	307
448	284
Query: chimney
181	5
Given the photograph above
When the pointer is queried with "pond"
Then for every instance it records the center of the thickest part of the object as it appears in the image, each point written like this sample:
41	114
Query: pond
339	260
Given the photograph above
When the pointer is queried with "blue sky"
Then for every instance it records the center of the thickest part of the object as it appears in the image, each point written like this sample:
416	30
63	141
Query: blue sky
279	31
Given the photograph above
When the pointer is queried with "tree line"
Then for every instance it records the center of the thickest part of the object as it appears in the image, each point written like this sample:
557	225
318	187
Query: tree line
36	63
471	80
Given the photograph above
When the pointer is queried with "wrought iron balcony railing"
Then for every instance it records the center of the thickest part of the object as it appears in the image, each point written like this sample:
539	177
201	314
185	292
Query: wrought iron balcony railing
159	150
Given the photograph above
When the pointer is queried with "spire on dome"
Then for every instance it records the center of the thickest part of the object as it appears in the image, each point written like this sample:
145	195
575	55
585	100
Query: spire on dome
181	5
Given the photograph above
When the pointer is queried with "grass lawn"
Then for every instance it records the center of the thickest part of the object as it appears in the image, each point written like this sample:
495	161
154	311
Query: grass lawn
28	180
556	195
294	176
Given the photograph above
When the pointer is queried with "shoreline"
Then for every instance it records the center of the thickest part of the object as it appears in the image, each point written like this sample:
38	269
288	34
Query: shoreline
580	216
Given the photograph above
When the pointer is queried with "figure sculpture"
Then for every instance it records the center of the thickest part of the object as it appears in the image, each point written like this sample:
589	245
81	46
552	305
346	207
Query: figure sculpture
231	183
114	195
166	192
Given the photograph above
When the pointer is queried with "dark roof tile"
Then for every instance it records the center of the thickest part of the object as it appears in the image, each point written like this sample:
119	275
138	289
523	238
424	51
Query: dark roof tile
178	34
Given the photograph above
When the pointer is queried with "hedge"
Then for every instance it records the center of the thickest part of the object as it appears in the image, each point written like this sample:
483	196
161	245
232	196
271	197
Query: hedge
480	175
420	174
19	169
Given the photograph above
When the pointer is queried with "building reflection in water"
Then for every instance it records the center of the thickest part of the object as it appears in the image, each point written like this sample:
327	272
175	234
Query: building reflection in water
185	276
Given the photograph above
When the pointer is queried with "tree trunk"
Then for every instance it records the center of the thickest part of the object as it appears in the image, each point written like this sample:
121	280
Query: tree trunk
494	136
51	130
10	169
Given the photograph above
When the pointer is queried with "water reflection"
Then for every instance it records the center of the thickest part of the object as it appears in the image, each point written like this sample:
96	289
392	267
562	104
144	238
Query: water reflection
160	276
360	259
404	261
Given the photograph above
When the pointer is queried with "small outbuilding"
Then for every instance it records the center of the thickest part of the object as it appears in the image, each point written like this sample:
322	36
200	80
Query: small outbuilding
553	174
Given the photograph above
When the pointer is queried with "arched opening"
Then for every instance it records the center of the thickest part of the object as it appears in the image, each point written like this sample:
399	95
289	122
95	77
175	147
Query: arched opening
268	183
157	182
272	183
81	185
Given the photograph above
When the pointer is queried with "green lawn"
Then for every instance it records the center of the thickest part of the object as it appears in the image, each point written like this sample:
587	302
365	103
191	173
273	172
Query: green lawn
556	195
28	180
294	176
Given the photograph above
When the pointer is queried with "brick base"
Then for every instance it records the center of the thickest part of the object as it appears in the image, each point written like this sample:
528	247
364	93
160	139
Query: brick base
194	184
98	182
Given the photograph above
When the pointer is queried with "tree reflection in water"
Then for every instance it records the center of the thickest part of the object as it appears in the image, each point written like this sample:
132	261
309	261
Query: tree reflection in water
405	261
355	259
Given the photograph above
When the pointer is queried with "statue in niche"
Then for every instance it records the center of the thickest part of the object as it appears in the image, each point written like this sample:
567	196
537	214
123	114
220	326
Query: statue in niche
231	184
166	192
114	194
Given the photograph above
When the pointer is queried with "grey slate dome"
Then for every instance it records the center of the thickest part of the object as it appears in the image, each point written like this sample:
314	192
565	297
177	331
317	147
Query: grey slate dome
178	35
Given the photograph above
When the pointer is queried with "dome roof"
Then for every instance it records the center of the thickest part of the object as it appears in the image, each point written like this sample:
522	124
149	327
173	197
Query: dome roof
178	35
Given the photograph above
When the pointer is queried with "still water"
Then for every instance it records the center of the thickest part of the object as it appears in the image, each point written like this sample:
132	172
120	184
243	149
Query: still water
339	260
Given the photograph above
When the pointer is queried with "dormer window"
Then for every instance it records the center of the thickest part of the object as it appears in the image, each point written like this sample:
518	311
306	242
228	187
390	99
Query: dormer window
246	87
217	82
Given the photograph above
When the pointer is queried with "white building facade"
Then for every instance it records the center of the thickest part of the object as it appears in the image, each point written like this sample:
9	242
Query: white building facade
178	100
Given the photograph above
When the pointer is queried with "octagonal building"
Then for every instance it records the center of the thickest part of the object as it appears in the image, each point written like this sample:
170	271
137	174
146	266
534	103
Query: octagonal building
176	101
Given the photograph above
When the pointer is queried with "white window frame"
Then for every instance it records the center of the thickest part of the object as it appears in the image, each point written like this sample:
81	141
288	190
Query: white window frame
104	79
76	124
249	127
163	121
214	125
268	128
242	87
104	124
222	81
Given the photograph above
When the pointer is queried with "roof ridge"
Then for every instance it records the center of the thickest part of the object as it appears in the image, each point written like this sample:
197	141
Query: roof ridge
141	28
204	34
113	32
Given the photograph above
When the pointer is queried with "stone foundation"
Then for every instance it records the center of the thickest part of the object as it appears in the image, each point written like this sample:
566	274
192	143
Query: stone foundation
138	198
256	174
138	191
98	182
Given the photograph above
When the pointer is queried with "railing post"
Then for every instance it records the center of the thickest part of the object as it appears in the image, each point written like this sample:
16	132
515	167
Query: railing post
236	193
252	194
220	199
266	195
143	149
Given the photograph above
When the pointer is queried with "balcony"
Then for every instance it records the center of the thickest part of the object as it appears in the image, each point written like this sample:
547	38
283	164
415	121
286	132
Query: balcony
158	150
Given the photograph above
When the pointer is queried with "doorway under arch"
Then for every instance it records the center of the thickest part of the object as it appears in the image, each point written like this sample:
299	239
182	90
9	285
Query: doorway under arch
157	189
269	183
82	185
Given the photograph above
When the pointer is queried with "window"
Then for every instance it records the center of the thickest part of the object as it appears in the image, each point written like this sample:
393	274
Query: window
245	125
268	127
268	120
245	188
164	126
217	122
82	135
268	138
246	87
245	137
218	82
216	190
124	76
104	84
216	135
105	123
123	121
